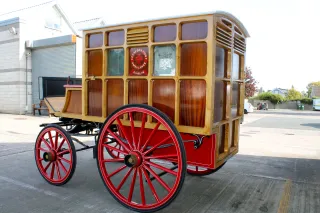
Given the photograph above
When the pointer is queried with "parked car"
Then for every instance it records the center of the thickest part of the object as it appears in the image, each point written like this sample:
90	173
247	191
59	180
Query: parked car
248	107
316	104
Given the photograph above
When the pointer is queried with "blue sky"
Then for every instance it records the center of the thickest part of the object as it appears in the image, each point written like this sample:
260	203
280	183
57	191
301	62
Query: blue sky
284	46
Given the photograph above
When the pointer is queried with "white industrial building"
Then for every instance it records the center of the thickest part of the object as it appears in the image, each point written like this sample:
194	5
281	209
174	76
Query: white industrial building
36	43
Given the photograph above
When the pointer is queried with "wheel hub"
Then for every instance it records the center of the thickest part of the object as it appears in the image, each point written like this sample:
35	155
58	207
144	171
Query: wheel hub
134	159
49	156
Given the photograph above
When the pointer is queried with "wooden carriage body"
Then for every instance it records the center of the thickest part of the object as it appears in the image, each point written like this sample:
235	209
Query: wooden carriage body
191	68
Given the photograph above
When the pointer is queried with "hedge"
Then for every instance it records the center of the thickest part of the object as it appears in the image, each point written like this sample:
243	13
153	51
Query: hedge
276	98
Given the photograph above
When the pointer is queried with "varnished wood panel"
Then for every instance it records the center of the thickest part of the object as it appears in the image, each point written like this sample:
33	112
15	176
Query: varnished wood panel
138	94
115	93
193	59
235	99
75	102
95	63
194	30
222	139
221	65
163	96
219	101
95	97
115	38
192	102
165	33
138	91
95	40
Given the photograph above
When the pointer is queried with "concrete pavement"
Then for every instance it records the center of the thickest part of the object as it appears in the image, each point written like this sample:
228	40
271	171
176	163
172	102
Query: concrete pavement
277	170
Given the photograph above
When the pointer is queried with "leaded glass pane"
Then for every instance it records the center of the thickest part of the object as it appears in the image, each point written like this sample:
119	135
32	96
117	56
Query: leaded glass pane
115	62
164	60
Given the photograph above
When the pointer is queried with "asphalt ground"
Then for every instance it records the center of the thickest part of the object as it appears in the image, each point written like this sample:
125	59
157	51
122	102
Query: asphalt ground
276	170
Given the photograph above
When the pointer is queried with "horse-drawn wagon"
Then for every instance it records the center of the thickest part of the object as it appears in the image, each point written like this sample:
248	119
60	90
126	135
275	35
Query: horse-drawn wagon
162	98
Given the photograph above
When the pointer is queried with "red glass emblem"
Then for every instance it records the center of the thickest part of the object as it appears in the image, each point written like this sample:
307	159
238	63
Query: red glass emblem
139	61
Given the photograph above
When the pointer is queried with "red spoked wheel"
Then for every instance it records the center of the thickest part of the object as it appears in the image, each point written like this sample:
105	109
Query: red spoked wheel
201	171
55	155
136	179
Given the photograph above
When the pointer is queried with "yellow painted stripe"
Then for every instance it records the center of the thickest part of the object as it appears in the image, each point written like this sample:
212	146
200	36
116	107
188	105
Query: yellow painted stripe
285	199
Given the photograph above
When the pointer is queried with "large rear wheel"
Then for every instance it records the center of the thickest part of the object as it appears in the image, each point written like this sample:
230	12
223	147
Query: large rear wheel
136	177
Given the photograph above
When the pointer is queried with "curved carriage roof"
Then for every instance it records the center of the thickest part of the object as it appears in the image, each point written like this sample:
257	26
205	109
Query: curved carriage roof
223	13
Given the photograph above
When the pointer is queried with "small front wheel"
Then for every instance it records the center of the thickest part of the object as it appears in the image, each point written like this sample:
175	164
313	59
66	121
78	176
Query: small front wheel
55	155
141	177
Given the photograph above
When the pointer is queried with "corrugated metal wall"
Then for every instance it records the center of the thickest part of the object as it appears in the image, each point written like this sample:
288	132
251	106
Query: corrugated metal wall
58	61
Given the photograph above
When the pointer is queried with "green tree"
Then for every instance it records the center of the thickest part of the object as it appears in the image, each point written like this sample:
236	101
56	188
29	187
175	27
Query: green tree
293	94
309	87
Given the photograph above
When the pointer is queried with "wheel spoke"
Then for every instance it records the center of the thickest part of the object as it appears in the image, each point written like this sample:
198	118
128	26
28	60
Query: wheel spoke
63	167
65	160
123	132
58	170
143	199
42	149
141	130
62	142
151	185
64	152
117	171
51	141
150	136
157	145
52	171
158	178
113	160
45	169
161	156
114	149
46	143
132	130
124	179
56	141
161	167
132	185
119	140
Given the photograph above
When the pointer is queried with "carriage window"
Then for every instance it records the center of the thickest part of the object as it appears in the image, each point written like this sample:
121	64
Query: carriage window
193	59
95	97
95	63
164	60
95	40
195	30
236	66
115	62
116	38
138	61
165	33
192	102
235	99
163	96
219	101
221	59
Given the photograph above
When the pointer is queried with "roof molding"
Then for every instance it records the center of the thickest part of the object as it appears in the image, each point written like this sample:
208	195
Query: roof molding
64	16
223	13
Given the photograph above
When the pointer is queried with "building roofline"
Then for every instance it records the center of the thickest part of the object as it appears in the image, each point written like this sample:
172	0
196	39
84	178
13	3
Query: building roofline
66	19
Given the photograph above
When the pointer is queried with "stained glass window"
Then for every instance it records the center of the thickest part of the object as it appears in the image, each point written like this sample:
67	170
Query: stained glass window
236	66
115	62
165	33
115	38
164	60
138	64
